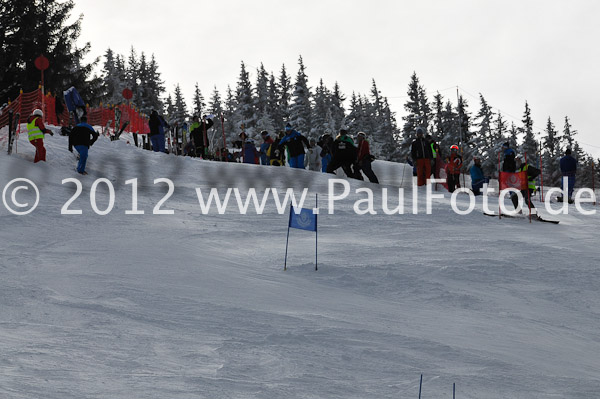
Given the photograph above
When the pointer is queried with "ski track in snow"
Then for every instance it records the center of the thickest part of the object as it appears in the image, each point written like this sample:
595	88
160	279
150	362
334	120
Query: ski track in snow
191	305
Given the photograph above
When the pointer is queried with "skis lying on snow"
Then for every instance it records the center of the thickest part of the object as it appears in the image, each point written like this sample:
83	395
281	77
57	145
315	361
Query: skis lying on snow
533	217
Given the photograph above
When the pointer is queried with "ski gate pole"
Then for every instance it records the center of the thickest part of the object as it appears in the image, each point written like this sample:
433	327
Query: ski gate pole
541	176
528	193
499	188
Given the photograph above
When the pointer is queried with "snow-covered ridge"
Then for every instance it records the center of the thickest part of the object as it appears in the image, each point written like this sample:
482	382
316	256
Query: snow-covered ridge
192	305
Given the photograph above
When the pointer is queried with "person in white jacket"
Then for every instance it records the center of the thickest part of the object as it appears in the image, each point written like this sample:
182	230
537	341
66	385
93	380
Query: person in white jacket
313	156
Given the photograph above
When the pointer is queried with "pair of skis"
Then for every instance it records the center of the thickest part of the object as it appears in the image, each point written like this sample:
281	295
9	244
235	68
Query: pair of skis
13	123
533	217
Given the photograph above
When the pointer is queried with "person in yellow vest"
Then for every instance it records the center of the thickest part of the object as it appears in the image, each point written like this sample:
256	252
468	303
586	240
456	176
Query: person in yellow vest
532	173
36	130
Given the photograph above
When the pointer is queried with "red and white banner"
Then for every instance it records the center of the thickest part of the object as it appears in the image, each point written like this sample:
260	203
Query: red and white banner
513	180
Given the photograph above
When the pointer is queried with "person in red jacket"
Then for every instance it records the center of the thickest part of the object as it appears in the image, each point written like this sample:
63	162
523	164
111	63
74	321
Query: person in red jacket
364	159
36	130
453	165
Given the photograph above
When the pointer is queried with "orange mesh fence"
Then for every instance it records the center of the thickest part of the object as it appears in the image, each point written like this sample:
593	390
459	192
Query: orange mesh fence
25	103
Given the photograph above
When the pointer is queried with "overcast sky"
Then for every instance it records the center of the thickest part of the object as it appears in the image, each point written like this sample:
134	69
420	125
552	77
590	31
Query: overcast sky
545	52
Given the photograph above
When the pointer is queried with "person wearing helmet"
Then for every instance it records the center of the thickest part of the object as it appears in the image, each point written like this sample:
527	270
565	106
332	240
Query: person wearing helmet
453	166
568	168
36	130
295	143
343	153
421	154
477	177
364	159
508	163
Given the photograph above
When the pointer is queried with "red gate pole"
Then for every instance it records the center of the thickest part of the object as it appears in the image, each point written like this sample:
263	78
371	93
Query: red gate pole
528	194
541	175
499	178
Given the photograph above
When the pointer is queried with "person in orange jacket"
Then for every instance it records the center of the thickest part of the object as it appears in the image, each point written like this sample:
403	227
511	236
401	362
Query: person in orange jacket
36	130
453	165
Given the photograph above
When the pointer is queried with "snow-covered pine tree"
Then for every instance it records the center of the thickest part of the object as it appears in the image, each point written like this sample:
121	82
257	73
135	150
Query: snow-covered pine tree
170	108
485	138
464	130
244	113
450	128
155	86
529	144
215	107
232	128
273	96
568	134
180	108
142	93
438	117
321	112
300	109
551	155
388	135
338	113
513	138
112	82
418	112
261	91
198	102
131	76
285	90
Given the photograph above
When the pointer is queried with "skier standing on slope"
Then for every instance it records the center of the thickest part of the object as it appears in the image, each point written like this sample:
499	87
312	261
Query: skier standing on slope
82	137
295	143
420	151
326	144
532	173
364	159
568	168
36	130
453	165
313	156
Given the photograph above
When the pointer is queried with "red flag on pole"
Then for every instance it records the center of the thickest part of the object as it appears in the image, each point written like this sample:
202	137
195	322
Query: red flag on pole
513	180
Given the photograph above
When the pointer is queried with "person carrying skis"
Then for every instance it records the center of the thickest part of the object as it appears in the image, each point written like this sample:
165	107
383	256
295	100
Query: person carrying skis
568	168
477	177
364	159
82	137
36	130
313	156
264	147
420	151
295	143
197	130
453	166
532	173
343	154
508	164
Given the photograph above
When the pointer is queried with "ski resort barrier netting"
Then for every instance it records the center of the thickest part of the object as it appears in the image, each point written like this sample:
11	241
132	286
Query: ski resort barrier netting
99	116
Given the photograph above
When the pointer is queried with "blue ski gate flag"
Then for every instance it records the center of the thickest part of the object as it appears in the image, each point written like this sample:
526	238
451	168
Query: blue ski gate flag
305	220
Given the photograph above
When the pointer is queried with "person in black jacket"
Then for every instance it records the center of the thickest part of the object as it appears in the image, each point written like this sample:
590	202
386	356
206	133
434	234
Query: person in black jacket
343	154
82	137
197	135
422	155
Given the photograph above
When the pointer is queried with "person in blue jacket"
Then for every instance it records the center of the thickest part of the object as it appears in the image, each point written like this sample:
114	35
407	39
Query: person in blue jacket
477	177
250	153
295	143
568	168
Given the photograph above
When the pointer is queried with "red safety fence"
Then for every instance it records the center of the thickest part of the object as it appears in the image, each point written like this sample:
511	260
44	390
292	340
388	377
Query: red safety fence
99	116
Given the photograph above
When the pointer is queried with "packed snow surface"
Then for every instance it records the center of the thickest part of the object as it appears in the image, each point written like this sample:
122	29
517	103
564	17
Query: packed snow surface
188	305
